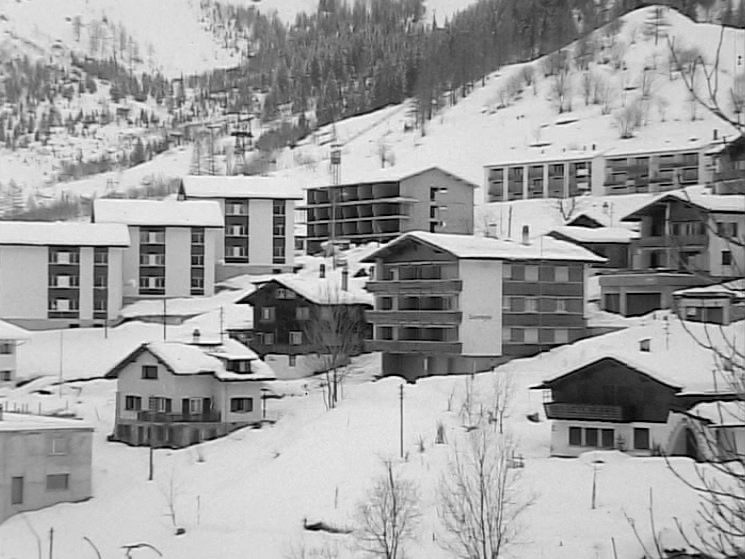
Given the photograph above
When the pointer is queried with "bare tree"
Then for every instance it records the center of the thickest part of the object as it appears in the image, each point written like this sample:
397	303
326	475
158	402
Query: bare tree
629	118
171	492
480	498
389	515
561	90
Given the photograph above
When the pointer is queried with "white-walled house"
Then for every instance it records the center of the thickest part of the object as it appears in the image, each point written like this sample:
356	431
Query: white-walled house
259	216
44	461
55	275
173	245
175	394
10	337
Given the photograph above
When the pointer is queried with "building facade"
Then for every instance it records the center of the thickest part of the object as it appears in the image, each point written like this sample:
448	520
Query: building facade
613	171
173	246
306	325
729	166
685	239
10	337
259	217
380	210
173	394
45	461
715	304
612	243
448	304
55	275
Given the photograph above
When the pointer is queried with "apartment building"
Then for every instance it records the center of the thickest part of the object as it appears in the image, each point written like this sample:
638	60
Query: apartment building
729	166
302	323
45	461
174	394
448	304
381	207
55	275
259	217
617	170
173	245
686	238
10	337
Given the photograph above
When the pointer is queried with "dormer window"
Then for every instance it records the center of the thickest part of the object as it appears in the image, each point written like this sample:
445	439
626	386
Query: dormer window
240	366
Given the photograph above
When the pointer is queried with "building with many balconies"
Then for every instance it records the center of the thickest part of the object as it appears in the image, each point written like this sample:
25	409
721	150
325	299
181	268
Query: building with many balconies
391	202
259	217
448	304
686	238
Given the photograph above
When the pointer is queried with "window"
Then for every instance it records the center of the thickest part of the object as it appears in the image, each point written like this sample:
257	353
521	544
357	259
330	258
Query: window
6	376
531	335
561	305
197	236
133	403
506	334
157	404
726	258
150	372
302	313
291	360
100	280
561	336
197	283
278	229
267	314
284	293
279	207
195	406
197	259
531	304
152	236
575	436
58	482
152	282
591	437
609	437
517	272
517	335
726	230
266	338
561	274
641	439
385	333
152	259
296	338
241	405
58	446
101	256
531	273
16	491
7	348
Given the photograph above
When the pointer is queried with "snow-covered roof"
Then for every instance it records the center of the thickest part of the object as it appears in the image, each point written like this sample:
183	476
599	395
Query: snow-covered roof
201	213
10	331
546	155
326	291
638	146
734	288
275	188
63	233
28	422
721	414
720	203
488	248
389	174
596	235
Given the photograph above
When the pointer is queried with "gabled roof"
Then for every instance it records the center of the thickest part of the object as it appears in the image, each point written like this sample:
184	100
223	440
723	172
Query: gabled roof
619	235
63	233
488	248
326	291
164	213
395	174
188	359
734	289
706	203
273	188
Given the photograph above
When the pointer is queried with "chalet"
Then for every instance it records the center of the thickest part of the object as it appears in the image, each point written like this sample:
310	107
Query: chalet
173	245
612	243
46	460
173	394
388	203
686	238
258	214
302	324
636	403
449	304
716	304
10	337
57	275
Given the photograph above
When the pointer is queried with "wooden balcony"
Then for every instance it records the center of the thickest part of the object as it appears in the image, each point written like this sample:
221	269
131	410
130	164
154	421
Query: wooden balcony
166	417
588	412
413	346
415	286
673	241
414	317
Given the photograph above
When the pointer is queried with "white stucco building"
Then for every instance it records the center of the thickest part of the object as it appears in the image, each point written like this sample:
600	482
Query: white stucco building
54	275
173	244
10	337
259	216
44	461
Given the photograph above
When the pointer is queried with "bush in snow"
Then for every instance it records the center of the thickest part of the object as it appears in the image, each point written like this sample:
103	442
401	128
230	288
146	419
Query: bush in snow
629	118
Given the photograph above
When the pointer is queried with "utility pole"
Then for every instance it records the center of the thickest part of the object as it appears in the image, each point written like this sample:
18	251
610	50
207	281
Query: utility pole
61	360
401	438
51	543
164	318
150	442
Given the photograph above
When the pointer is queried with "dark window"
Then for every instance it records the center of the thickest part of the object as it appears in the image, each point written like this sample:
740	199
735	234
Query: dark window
16	491
575	436
641	439
197	235
150	372
132	403
241	405
291	360
267	314
517	272
608	438
591	437
58	482
726	258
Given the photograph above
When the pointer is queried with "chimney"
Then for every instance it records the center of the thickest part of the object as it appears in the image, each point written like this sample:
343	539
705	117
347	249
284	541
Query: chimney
322	271
716	134
644	345
196	335
526	235
345	279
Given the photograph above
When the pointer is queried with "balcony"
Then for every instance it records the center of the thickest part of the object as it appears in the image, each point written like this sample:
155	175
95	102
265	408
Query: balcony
413	346
415	286
673	241
165	417
414	317
588	412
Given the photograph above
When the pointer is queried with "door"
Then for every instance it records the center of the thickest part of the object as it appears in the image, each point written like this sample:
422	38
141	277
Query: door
16	491
638	304
185	407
